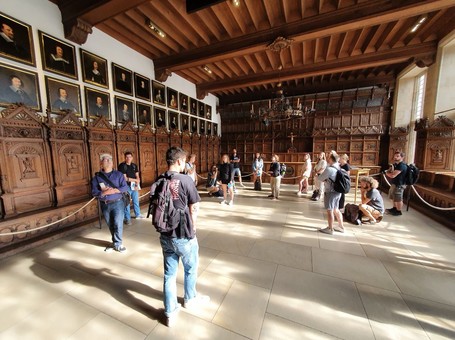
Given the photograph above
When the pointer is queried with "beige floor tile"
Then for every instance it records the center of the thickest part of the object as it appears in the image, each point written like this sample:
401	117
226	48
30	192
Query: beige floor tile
327	304
105	327
389	315
69	313
309	238
353	268
275	327
240	313
191	327
244	269
228	243
425	282
438	320
343	243
279	252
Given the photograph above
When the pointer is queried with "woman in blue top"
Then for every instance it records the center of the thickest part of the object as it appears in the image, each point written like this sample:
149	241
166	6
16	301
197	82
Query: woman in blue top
258	164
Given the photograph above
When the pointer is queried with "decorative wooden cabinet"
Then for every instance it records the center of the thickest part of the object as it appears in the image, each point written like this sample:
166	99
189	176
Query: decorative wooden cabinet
101	140
126	138
162	145
147	155
70	159
25	162
435	144
398	140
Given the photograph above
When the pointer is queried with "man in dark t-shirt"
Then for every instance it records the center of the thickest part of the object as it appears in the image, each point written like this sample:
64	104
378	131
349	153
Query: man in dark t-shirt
397	173
235	160
131	172
175	245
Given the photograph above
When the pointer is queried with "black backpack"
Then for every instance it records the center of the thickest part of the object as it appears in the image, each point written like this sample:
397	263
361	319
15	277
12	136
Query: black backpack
342	183
282	169
165	217
412	174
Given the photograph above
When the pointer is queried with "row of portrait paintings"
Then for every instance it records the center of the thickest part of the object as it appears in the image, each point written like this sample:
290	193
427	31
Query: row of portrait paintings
16	43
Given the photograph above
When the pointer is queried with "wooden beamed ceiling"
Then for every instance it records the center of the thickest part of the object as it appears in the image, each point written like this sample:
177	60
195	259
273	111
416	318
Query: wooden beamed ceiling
334	43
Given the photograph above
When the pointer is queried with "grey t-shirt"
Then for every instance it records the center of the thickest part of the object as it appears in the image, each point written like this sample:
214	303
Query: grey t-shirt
375	200
329	175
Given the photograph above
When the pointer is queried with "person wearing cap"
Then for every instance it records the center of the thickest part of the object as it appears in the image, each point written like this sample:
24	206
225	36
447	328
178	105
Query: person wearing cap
111	200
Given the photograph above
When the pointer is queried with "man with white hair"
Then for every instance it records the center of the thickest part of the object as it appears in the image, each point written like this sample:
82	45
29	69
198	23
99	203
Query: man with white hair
108	186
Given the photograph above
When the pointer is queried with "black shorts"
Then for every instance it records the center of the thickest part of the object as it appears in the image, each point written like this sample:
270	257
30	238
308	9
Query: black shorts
225	181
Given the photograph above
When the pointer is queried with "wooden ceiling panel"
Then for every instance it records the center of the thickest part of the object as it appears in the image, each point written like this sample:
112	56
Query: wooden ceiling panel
332	40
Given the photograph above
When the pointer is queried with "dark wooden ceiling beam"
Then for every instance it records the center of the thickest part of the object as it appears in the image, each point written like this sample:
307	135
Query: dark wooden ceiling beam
391	56
364	14
333	85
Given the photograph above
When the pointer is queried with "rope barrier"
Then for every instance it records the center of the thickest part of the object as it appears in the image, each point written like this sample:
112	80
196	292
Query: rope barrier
421	198
430	205
148	192
385	178
48	225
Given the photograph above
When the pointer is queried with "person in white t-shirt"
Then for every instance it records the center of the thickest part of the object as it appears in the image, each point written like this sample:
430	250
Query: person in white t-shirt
190	168
303	185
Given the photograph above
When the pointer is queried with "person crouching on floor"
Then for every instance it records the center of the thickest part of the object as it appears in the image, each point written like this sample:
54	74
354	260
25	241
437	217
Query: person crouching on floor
212	185
372	206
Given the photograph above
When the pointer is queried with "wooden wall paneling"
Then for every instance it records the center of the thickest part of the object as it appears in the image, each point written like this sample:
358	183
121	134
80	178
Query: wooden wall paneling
211	153
186	141
101	139
25	162
162	145
203	154
126	138
147	155
70	159
196	149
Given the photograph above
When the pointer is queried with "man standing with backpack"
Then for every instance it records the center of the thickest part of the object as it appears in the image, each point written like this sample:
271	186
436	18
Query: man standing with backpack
397	173
331	197
175	201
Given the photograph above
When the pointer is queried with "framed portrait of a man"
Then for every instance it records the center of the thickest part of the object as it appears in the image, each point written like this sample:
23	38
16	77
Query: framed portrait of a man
16	40
201	109
97	103
172	99
174	121
193	125
141	86
124	110
63	97
19	86
185	123
158	92
184	102
58	56
160	117
143	113
122	79
193	106
209	128
215	129
94	69
208	112
201	127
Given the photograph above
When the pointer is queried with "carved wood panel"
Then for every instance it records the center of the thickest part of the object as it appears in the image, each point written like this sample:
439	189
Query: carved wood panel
126	138
70	160
195	148
101	140
25	162
147	155
203	154
162	145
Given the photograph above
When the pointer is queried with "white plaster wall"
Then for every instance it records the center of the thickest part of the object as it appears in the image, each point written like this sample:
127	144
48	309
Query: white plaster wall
45	16
445	98
403	102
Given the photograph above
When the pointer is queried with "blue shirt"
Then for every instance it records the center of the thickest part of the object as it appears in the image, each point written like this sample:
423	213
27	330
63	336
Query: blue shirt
117	178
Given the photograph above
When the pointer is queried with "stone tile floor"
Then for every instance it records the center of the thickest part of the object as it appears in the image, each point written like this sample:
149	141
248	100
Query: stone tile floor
269	272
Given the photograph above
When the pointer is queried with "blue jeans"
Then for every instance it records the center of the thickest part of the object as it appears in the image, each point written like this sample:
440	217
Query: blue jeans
113	214
173	250
135	199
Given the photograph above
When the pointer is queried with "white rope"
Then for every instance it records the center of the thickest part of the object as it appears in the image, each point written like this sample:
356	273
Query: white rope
388	183
47	225
430	205
148	192
421	198
200	176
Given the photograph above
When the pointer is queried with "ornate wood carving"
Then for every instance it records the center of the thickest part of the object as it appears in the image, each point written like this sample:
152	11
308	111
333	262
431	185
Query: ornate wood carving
101	140
126	142
203	154
77	30
26	176
398	139
70	159
162	144
147	155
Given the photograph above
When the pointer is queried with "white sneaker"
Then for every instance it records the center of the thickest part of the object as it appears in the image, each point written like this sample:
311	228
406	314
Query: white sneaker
223	201
231	203
172	319
299	193
241	184
139	217
196	301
